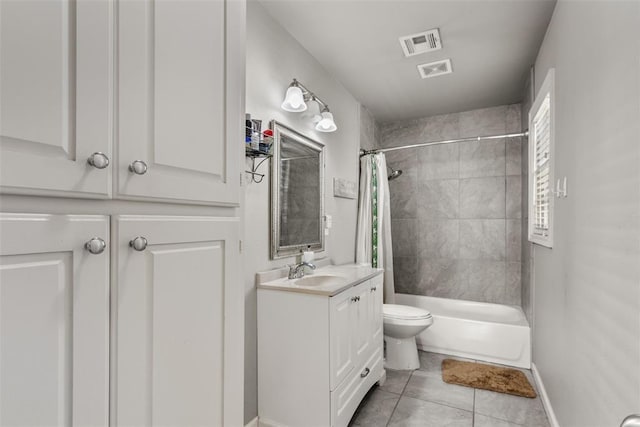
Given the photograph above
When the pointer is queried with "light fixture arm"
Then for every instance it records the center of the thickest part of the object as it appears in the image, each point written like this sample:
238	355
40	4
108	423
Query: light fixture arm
296	99
310	96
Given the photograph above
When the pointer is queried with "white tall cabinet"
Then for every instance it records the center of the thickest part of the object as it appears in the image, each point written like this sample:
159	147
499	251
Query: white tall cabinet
121	138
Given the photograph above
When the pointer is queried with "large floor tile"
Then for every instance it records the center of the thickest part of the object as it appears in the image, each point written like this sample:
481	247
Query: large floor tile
432	362
396	380
419	413
515	409
421	398
376	409
423	386
484	421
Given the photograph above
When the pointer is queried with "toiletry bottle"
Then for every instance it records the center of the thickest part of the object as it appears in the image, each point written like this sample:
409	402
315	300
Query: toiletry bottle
255	134
248	126
267	140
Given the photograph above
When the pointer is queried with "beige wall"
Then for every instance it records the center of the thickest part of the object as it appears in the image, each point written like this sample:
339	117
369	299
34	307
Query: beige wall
586	290
273	59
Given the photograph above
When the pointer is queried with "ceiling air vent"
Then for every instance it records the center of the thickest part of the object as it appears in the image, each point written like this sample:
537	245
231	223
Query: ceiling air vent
434	69
421	42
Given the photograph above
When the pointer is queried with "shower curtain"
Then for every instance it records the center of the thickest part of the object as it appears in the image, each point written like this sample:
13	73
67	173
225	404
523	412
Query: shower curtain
373	239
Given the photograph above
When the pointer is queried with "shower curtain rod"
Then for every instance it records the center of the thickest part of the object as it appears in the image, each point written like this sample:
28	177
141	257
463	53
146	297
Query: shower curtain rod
448	141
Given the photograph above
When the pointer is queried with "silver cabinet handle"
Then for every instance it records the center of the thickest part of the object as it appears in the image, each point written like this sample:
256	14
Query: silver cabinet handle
95	246
138	167
365	372
139	243
374	289
98	160
632	420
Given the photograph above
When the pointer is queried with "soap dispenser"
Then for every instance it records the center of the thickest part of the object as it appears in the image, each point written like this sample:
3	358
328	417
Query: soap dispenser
308	256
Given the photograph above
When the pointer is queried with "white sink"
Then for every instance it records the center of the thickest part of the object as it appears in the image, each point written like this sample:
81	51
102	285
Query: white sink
320	280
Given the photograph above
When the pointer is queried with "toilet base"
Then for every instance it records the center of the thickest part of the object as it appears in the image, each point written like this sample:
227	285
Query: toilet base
401	353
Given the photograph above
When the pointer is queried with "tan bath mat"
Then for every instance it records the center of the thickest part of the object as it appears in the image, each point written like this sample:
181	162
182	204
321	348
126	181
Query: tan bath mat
486	377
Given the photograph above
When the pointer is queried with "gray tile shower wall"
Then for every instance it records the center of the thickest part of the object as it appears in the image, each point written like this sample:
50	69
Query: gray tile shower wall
369	132
456	211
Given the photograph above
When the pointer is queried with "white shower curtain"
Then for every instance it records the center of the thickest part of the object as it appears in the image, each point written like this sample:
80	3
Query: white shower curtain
373	241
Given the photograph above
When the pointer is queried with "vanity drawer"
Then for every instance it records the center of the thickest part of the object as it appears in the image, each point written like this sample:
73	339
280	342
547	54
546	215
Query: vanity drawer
346	398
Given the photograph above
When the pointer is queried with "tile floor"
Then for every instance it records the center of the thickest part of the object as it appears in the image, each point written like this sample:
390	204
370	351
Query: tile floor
421	398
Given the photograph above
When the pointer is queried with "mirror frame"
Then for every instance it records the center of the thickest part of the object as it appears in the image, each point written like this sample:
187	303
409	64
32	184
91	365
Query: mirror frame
278	251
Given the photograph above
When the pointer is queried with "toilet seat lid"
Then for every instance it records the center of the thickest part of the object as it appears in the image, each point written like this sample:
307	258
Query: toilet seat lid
395	311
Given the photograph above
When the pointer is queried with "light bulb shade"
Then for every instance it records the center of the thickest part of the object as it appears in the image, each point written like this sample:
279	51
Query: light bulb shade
294	100
326	124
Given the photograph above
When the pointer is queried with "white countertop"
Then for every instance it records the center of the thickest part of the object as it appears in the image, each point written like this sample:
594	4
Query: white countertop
342	278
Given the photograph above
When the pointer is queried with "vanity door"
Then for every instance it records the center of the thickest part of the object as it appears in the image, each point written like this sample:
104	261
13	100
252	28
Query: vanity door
361	323
375	311
342	343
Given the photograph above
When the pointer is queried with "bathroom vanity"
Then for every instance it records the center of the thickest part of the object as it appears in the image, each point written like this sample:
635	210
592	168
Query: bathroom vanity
320	345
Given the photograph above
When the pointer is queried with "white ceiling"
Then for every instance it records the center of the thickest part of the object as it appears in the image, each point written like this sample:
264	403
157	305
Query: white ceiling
491	43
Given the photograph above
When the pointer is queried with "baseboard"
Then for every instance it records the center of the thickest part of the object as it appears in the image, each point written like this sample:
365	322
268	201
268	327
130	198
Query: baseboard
553	421
261	422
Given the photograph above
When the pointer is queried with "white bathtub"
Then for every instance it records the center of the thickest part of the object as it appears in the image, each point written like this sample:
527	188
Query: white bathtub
476	330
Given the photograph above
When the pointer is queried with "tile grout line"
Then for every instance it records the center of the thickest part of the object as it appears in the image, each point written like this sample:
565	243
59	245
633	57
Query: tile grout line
506	237
396	405
473	413
446	405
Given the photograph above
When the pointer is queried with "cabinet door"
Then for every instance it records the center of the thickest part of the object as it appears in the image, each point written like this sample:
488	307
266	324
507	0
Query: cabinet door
55	96
362	325
341	332
180	99
375	311
178	322
54	312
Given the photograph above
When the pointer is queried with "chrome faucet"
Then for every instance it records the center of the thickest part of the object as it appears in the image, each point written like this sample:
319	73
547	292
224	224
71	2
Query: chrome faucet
296	271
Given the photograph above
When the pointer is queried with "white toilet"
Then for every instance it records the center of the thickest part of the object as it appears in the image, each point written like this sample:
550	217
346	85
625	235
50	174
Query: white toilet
401	325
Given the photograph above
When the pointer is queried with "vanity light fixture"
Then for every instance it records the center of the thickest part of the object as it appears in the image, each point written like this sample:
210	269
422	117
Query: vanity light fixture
296	100
326	124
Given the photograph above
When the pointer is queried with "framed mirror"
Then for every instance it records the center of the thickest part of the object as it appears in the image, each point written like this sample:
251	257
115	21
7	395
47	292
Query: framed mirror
297	193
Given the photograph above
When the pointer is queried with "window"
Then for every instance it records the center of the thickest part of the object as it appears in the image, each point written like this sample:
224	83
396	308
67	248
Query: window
541	140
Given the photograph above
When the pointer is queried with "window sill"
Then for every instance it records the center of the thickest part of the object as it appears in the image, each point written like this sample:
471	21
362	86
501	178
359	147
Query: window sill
547	242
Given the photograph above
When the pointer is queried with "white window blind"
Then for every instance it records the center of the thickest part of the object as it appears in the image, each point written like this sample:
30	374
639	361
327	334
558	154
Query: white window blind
541	142
542	145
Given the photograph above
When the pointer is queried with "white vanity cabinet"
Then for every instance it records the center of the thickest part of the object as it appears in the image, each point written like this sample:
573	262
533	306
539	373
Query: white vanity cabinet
318	354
